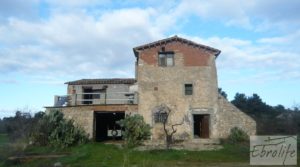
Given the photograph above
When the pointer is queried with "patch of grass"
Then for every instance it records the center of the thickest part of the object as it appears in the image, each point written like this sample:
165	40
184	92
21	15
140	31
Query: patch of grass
228	154
3	148
99	154
3	139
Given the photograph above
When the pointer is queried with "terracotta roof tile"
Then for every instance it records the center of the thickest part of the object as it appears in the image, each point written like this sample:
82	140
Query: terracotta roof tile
103	81
175	38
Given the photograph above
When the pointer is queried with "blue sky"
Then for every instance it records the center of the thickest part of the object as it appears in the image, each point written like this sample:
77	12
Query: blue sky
44	43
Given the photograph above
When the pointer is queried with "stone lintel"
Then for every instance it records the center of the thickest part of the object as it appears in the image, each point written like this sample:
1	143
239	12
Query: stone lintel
201	111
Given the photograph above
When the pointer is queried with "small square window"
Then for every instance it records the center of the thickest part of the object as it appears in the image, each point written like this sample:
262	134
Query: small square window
188	89
166	59
160	117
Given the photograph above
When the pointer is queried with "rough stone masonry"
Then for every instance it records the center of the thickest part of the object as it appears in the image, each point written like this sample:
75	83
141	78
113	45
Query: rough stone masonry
180	74
193	64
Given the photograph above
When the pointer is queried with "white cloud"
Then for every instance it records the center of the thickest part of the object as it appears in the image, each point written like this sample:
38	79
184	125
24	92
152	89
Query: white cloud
256	14
8	81
75	3
18	8
228	11
7	113
77	44
277	10
266	63
282	40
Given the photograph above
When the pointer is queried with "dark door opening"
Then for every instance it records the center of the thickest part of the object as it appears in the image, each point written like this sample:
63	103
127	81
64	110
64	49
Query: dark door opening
201	126
106	127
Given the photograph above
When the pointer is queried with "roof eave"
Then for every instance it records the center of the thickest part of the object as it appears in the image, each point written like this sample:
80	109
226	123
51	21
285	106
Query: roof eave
136	50
217	53
104	81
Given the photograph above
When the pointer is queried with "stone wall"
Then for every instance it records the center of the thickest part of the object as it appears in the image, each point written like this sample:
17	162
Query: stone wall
165	85
229	117
84	115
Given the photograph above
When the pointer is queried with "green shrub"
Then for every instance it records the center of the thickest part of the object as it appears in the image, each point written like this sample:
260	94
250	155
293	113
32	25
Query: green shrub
19	127
135	130
56	131
237	136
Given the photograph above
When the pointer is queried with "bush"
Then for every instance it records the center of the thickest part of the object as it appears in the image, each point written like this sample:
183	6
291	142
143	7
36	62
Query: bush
42	132
56	131
135	130
237	136
19	127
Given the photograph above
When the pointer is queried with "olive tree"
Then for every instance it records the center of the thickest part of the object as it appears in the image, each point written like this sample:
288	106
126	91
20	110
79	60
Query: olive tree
168	127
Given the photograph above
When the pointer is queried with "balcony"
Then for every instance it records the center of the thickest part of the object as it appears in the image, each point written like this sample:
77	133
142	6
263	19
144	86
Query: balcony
96	99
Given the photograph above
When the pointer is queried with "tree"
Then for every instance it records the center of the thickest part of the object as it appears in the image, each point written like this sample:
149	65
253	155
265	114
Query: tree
53	129
256	105
296	107
269	119
240	101
237	135
18	127
2	128
222	93
39	115
135	130
279	108
169	128
252	105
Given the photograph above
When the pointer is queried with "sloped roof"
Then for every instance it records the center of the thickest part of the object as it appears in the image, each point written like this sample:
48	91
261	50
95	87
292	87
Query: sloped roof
175	38
103	81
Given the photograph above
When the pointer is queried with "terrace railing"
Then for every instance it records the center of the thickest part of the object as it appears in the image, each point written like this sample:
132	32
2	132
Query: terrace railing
96	99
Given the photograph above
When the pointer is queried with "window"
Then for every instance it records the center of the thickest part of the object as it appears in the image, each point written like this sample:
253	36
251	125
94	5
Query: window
89	94
160	117
188	89
96	93
87	97
166	59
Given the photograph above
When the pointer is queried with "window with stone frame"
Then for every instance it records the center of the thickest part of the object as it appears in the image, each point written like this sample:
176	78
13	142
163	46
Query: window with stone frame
188	89
166	59
160	117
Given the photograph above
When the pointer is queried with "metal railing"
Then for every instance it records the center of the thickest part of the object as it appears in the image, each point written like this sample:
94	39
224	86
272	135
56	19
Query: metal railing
96	98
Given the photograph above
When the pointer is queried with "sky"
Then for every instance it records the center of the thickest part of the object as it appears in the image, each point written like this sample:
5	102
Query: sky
45	43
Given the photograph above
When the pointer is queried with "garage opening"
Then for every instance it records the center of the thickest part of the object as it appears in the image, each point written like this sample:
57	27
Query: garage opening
106	127
201	126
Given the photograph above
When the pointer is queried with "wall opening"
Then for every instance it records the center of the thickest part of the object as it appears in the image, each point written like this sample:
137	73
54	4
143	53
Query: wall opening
87	98
106	127
201	126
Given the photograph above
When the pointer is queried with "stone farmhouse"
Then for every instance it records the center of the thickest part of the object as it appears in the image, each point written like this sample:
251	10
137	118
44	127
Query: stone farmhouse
174	72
